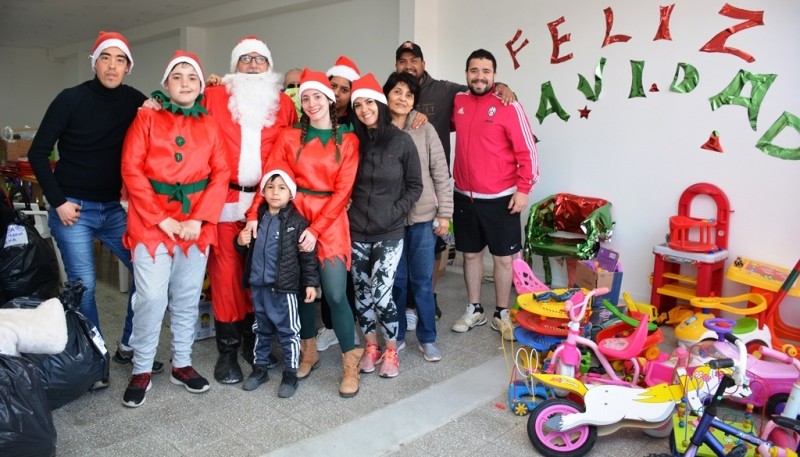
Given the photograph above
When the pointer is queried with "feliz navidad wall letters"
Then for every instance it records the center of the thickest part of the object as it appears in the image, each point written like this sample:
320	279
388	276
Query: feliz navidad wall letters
685	80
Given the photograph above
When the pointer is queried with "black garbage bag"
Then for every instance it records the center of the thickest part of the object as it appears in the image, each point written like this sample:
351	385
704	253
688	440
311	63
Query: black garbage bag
84	361
28	265
26	423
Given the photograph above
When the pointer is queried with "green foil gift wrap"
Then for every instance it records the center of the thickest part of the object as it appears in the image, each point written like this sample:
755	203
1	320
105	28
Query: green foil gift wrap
587	217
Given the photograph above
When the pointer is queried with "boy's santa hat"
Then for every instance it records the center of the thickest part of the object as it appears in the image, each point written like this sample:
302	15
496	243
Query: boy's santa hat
182	56
283	170
247	45
367	87
111	40
310	79
344	68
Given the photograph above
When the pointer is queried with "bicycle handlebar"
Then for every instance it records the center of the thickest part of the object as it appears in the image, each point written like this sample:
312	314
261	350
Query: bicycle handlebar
576	311
721	363
779	356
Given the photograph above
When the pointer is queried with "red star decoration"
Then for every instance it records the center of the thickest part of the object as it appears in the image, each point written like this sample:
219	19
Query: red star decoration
585	112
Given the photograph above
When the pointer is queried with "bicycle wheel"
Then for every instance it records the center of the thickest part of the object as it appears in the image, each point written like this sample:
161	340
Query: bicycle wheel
576	442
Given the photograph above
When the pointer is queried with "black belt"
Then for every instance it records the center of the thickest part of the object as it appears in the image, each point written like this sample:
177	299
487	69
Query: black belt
242	188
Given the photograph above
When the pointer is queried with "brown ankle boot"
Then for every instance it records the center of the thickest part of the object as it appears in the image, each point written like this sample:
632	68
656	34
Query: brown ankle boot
349	385
309	359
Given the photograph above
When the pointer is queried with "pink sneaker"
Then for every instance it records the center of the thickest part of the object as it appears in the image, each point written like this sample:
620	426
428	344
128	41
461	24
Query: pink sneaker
371	357
391	364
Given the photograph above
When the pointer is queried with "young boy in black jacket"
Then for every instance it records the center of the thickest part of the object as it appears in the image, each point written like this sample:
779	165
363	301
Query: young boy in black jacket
276	271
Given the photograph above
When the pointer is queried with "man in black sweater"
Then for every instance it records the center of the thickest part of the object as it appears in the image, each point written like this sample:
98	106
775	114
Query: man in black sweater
89	122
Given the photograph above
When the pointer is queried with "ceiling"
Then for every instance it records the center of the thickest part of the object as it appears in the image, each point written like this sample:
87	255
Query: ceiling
53	23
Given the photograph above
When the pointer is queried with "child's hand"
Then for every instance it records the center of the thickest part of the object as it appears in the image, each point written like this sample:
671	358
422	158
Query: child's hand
311	294
190	229
171	227
252	227
244	237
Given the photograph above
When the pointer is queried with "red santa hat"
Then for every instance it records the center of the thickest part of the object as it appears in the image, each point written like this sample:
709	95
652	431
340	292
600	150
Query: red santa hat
111	40
311	79
247	45
283	170
182	56
367	87
344	68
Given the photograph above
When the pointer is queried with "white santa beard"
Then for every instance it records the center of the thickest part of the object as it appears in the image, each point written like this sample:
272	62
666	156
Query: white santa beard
253	104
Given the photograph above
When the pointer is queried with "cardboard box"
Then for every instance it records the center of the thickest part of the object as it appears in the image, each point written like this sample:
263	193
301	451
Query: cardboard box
204	327
589	278
11	151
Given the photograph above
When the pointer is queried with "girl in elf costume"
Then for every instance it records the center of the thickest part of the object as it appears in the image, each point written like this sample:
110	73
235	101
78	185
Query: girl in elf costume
324	159
174	169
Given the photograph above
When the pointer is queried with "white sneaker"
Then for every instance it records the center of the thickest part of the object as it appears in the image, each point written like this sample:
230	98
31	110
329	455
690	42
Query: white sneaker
504	325
471	318
411	320
401	344
326	338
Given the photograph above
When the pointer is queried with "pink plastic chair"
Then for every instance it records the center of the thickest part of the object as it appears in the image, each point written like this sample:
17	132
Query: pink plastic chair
524	280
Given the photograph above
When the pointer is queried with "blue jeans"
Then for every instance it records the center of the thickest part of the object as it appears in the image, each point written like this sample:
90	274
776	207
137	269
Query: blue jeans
107	222
415	278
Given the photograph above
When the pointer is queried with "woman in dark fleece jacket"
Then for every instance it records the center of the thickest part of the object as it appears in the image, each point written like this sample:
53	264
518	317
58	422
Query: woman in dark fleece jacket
387	185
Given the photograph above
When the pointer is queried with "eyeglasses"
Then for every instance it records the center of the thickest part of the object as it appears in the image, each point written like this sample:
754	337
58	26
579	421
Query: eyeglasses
292	85
246	59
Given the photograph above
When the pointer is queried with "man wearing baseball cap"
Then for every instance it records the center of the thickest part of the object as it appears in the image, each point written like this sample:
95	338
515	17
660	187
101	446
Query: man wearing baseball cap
436	96
89	122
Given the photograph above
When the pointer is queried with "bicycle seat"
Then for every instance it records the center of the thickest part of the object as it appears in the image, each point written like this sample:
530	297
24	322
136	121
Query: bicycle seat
787	423
628	347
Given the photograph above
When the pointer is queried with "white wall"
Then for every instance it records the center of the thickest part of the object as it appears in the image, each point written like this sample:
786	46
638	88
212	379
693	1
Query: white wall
364	30
642	153
28	82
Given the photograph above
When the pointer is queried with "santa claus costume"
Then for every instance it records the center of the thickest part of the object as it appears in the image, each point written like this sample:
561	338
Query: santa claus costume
251	111
175	172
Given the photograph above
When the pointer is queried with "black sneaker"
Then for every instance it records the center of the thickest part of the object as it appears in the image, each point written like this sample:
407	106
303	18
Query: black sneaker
257	377
288	384
123	357
138	385
189	378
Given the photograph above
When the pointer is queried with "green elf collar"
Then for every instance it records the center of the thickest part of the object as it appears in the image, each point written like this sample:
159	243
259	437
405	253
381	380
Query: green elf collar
196	110
325	135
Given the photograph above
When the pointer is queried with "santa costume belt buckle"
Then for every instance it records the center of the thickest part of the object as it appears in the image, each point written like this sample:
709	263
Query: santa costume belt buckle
242	188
